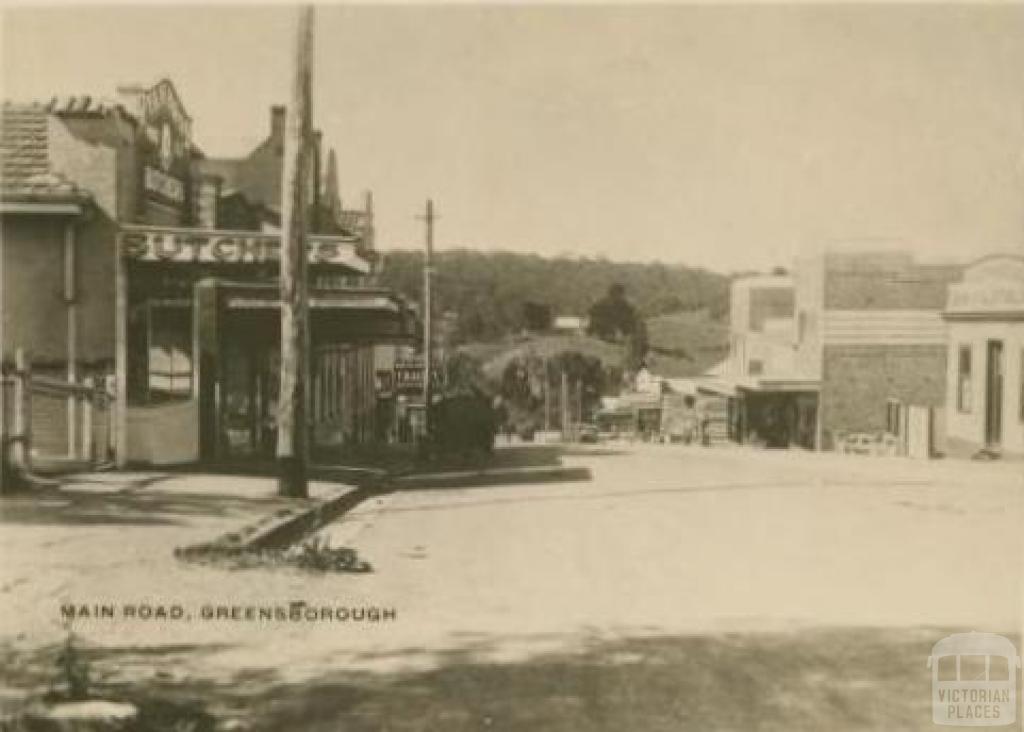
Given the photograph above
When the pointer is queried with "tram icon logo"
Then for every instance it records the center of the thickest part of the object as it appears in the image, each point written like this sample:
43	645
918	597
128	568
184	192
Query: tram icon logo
974	680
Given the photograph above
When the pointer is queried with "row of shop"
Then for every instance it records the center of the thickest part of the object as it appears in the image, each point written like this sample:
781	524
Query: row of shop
866	352
132	258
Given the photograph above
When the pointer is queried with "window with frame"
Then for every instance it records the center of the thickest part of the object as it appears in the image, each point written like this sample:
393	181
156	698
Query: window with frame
170	352
963	383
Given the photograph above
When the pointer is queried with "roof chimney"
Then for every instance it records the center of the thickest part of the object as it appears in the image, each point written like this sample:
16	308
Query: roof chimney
277	121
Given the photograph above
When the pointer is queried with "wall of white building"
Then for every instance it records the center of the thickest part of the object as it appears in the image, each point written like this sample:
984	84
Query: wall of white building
965	422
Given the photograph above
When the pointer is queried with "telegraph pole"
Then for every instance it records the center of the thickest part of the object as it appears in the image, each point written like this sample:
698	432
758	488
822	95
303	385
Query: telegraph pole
428	265
547	397
292	430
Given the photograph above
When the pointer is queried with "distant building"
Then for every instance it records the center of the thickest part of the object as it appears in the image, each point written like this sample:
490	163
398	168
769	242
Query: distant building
762	333
774	401
985	358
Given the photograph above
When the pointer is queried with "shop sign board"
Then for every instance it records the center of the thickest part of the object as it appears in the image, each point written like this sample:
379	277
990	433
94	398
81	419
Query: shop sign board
986	297
182	246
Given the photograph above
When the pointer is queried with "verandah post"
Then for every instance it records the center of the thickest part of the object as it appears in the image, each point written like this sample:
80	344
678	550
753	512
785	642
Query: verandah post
88	398
21	423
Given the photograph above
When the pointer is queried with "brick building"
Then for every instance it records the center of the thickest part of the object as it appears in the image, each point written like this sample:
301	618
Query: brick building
117	261
845	346
869	326
985	358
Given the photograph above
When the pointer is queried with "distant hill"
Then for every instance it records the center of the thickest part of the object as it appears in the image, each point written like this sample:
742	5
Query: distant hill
686	344
487	290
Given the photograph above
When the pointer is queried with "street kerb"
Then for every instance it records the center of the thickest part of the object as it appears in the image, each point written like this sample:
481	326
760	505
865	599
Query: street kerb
488	478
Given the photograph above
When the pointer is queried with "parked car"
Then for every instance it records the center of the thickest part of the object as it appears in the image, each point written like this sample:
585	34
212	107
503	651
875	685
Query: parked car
585	433
860	444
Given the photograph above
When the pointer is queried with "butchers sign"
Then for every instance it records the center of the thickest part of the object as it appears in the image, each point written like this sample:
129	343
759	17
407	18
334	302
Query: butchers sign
168	129
229	247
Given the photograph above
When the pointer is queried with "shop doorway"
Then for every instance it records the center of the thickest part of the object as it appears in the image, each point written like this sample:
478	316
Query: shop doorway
250	386
994	395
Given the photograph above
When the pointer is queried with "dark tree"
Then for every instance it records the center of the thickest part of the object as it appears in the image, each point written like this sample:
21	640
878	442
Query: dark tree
526	378
463	374
637	347
613	317
537	317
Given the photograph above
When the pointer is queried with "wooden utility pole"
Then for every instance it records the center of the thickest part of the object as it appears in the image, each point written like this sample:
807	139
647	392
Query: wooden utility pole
565	404
428	350
292	430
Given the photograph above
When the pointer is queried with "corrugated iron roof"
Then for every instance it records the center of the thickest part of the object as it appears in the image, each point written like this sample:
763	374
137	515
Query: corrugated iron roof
25	172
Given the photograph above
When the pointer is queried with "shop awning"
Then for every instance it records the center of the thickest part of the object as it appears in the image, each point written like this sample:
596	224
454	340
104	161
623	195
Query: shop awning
360	313
732	386
321	301
781	384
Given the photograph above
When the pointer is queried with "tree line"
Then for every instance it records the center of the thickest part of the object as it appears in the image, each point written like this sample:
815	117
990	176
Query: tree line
493	294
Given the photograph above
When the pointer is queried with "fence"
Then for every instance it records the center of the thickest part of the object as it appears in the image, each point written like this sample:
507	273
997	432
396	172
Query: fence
912	431
50	424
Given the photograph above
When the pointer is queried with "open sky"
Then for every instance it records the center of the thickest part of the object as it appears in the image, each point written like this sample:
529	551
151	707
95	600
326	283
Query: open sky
721	136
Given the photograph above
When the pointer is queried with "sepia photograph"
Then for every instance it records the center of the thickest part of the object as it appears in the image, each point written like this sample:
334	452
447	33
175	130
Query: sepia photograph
479	366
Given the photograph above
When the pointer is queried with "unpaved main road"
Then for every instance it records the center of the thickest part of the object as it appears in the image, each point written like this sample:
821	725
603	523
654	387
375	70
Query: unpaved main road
680	588
681	540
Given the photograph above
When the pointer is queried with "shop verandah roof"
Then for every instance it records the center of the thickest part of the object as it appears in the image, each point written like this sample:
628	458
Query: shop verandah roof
371	314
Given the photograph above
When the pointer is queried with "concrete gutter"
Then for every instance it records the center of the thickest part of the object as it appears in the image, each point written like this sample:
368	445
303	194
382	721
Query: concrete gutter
486	477
287	530
284	528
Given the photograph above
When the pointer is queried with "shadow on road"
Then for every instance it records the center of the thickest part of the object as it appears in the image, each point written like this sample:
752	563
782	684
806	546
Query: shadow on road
823	679
129	506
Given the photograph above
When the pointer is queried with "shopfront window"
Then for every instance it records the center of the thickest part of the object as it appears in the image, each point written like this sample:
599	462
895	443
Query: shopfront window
170	352
963	392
